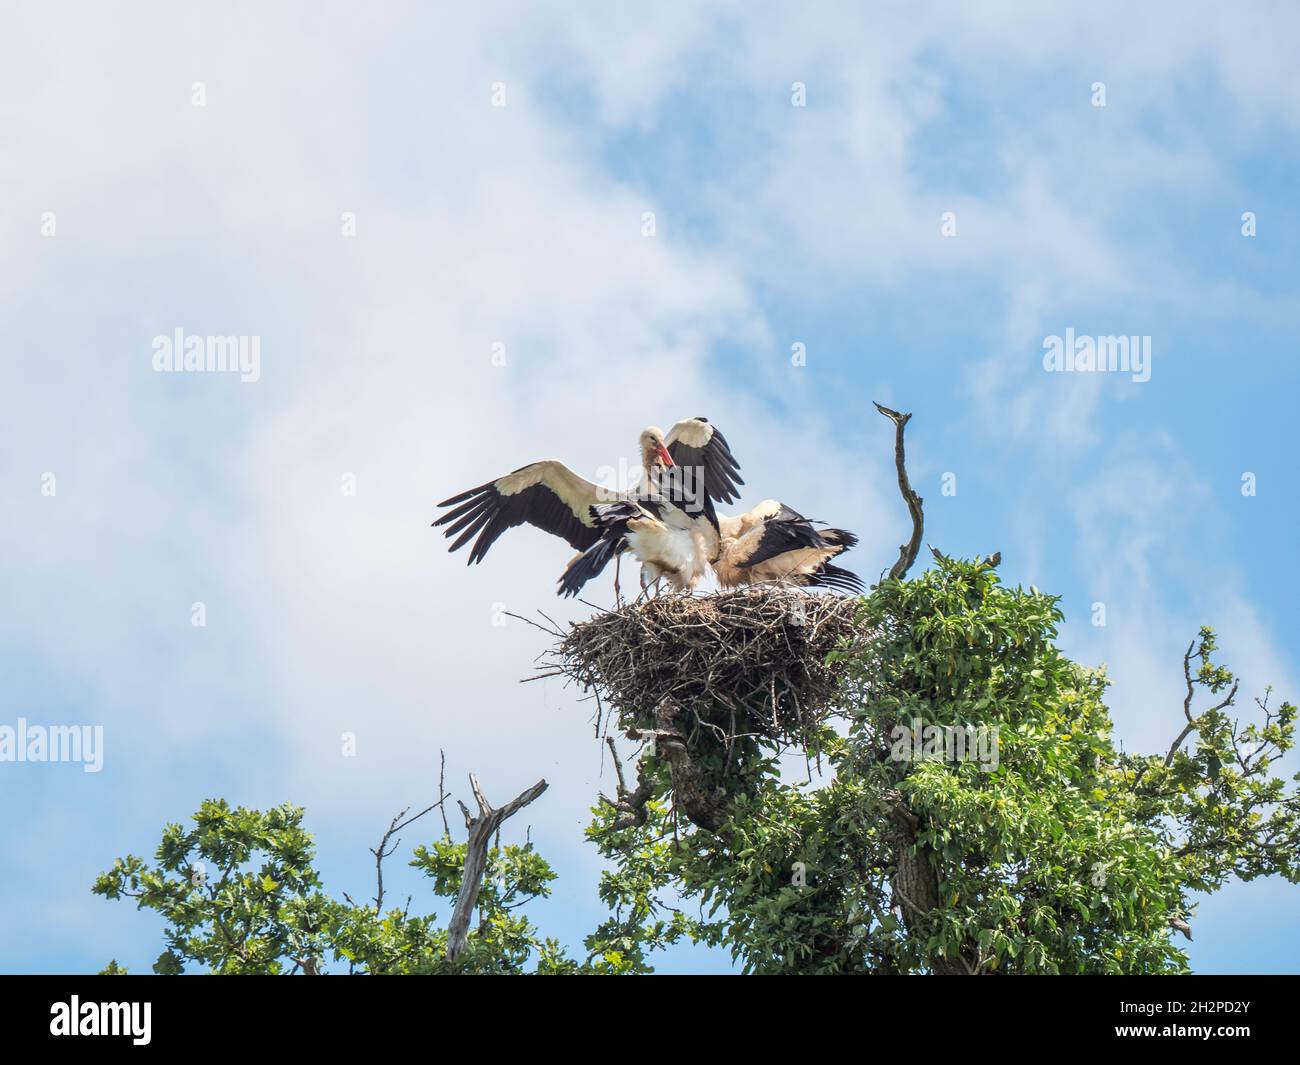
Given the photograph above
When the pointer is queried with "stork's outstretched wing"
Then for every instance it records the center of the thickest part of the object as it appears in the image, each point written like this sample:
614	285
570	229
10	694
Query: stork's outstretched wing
694	443
546	494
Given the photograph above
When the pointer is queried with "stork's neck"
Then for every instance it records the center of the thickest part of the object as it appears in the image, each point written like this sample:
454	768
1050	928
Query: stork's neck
650	467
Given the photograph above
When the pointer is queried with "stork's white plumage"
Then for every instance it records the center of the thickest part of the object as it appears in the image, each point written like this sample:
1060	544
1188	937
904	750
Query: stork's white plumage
673	539
672	546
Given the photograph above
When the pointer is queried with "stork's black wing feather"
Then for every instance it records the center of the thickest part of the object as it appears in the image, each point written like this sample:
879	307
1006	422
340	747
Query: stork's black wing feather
490	509
684	488
829	576
696	445
840	537
787	530
611	520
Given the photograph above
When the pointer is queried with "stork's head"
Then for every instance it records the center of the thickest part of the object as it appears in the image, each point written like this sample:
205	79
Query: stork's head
654	453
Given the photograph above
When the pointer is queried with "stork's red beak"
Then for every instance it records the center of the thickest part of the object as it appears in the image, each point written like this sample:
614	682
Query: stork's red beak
667	458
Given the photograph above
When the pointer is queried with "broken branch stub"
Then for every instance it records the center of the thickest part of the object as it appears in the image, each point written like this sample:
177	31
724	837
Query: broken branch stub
481	830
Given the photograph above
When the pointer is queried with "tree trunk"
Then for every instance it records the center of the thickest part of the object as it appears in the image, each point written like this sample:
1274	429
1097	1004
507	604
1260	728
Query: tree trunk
916	887
703	805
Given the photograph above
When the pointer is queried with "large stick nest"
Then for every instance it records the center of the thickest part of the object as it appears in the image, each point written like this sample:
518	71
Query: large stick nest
748	661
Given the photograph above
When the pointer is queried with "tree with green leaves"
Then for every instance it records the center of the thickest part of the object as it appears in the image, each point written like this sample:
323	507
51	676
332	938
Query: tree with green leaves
240	894
1070	855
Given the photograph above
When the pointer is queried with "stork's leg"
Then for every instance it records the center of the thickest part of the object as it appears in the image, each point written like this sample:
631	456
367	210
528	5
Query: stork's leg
618	599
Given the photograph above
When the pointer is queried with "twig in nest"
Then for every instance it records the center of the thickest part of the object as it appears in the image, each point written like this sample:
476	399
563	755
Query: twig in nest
553	631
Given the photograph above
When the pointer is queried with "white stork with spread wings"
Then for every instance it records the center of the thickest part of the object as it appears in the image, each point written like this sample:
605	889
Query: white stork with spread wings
553	498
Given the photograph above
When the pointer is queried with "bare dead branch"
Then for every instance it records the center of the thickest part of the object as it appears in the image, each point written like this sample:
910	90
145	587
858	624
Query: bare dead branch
906	552
482	828
442	790
618	765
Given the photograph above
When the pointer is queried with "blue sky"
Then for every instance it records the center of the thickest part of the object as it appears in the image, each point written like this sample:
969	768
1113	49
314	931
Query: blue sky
523	225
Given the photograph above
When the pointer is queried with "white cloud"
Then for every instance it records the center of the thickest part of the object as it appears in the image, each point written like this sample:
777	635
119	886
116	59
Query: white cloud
325	613
1147	529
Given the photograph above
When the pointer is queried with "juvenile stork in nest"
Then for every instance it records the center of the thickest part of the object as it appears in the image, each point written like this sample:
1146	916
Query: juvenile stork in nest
775	544
668	523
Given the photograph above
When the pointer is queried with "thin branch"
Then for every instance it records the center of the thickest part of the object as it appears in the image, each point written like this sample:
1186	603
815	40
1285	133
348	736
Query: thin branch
555	630
442	790
1191	681
384	850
